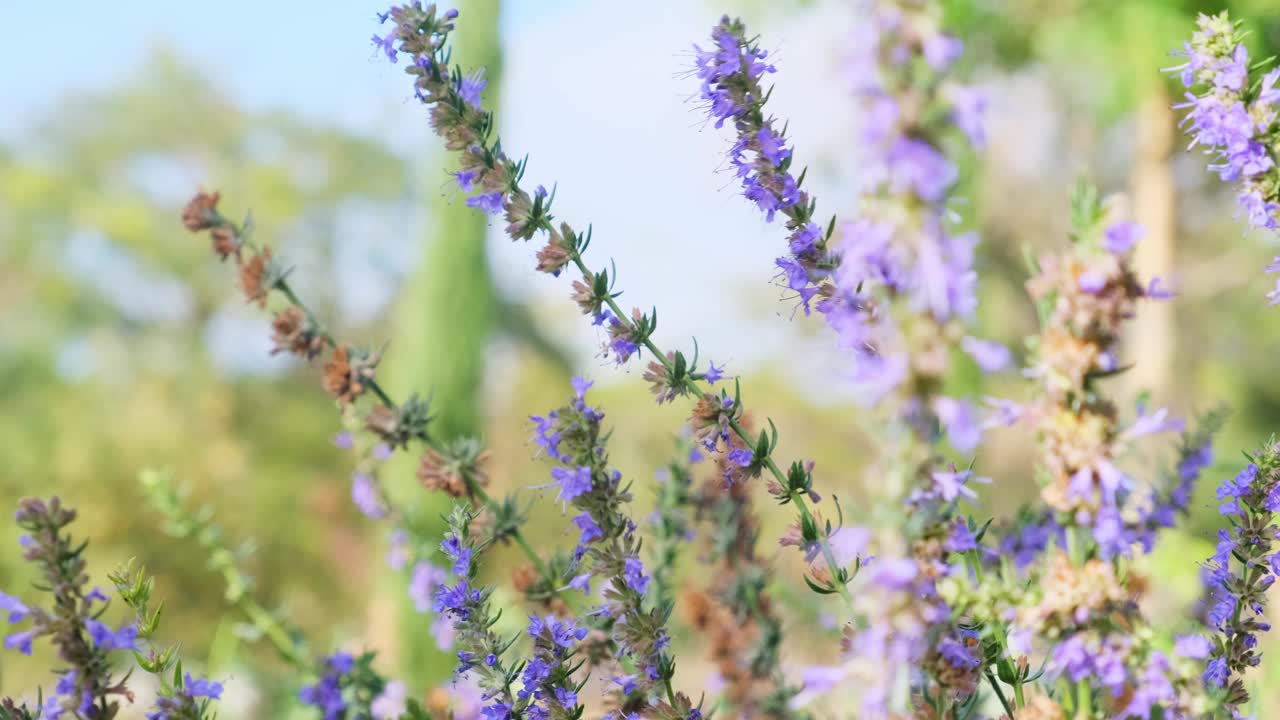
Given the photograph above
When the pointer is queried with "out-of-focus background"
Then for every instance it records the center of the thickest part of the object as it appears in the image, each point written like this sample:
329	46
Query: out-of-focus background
124	345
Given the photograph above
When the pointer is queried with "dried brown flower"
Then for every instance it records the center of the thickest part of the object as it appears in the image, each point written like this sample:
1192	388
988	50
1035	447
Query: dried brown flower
345	377
225	242
437	471
660	381
553	257
291	332
584	296
201	213
253	278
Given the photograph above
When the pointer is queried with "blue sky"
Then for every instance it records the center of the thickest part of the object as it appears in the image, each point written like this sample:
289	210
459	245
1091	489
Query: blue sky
625	146
306	56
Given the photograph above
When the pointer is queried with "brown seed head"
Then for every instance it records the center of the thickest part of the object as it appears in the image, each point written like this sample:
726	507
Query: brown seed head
201	213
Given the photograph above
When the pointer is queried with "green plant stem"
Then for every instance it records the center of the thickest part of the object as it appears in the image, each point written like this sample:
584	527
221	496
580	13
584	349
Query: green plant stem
515	535
1084	701
802	507
995	685
383	397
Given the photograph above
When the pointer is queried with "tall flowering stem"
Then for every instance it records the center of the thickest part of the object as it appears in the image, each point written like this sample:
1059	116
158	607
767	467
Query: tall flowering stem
895	284
87	688
1244	566
181	522
180	695
1233	114
1083	297
375	430
731	71
735	610
493	178
546	688
672	519
905	288
608	551
85	644
1081	603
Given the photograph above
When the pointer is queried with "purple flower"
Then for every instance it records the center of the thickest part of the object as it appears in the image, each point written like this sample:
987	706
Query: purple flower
1121	237
1195	647
1155	292
12	605
772	147
633	573
581	385
712	376
490	203
804	239
423	584
590	530
968	111
1232	75
1215	673
573	482
470	87
741	457
20	641
1091	281
952	485
847	544
940	50
200	687
546	434
123	639
990	356
917	166
961	423
581	582
961	538
957	653
365	494
387	45
1156	422
896	574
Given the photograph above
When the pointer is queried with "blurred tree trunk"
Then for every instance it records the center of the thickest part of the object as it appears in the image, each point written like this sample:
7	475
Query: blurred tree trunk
1154	330
443	325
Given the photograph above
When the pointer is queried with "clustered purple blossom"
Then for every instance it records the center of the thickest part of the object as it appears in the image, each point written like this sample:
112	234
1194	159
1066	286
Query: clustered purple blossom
185	702
909	622
326	694
731	72
467	607
1233	115
1106	660
607	548
900	251
1244	566
72	625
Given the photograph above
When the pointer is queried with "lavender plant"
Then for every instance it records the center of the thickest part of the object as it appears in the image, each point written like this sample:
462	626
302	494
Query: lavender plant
87	647
1232	114
944	611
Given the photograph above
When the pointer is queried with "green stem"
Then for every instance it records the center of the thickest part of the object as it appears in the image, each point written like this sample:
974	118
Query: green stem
275	632
516	535
385	399
995	685
1084	701
802	508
